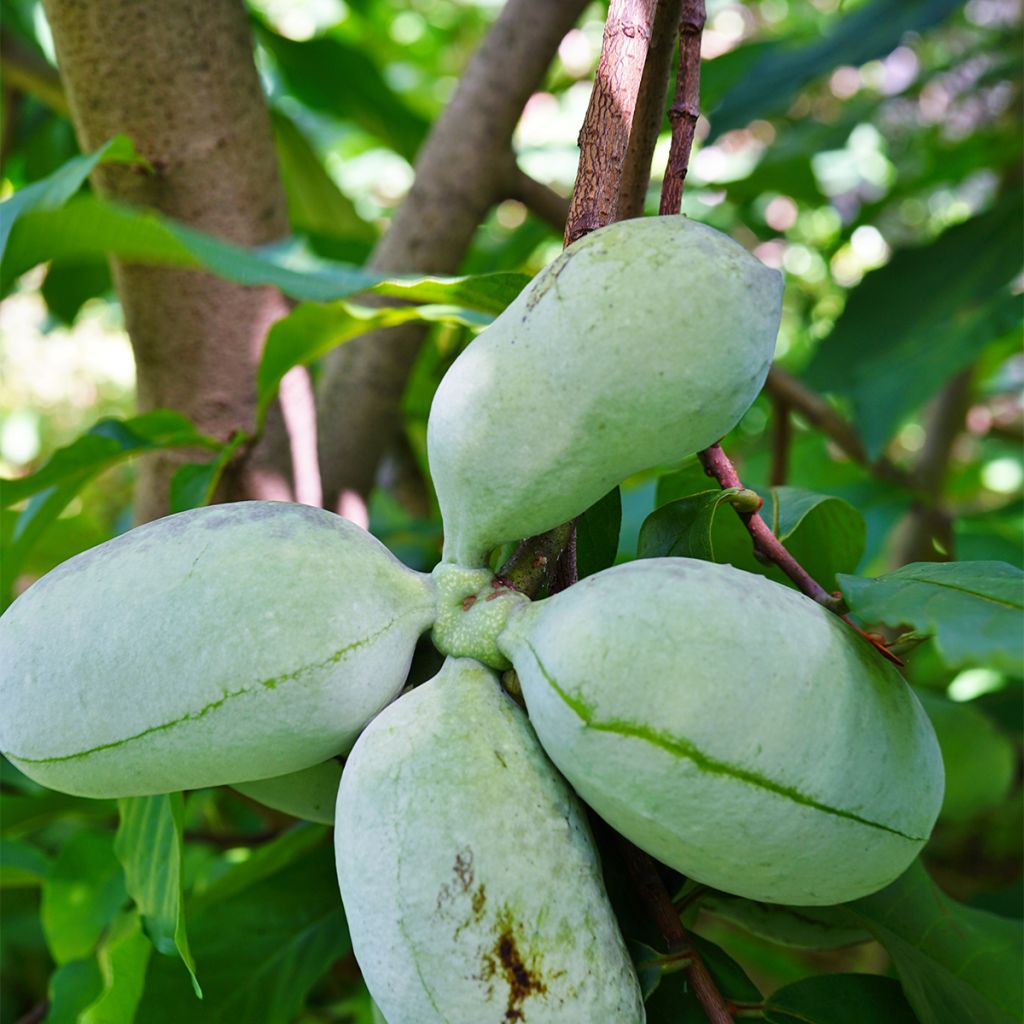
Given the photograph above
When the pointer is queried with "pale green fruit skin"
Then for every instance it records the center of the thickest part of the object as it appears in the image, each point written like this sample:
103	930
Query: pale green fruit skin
643	342
215	646
461	852
732	728
309	794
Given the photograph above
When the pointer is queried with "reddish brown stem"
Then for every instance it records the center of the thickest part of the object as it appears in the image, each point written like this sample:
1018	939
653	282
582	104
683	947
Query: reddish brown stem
718	465
685	107
649	886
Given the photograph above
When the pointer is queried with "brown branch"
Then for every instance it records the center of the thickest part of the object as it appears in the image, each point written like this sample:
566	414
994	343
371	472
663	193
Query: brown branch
685	108
461	171
37	1014
782	433
533	564
767	546
926	535
643	873
540	199
819	414
604	137
650	111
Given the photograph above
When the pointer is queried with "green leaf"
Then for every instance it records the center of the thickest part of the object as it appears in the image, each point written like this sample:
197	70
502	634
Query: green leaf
107	442
88	228
311	331
73	987
83	892
292	845
52	487
54	191
683	528
597	534
980	760
973	609
766	85
149	844
956	964
797	927
262	948
315	203
824	534
21	814
22	864
336	76
673	1001
122	957
840	999
193	485
69	286
908	327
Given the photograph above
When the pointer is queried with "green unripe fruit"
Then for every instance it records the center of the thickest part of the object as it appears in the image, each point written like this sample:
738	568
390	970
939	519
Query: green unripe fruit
593	373
732	728
470	881
216	646
309	794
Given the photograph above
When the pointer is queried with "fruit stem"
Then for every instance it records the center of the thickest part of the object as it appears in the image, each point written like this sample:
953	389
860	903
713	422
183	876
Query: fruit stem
719	466
651	889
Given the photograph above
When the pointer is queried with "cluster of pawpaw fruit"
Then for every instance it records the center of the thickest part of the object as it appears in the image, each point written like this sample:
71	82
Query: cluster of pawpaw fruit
727	725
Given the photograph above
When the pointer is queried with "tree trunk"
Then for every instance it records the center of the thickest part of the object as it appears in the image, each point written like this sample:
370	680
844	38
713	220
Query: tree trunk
178	78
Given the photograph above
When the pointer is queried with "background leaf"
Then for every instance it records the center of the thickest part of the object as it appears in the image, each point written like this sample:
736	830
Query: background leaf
122	959
840	999
597	534
765	85
261	948
84	890
956	964
54	191
331	74
973	609
925	315
149	845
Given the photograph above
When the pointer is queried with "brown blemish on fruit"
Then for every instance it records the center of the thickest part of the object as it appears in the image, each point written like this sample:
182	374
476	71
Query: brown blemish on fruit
463	868
468	602
479	901
505	960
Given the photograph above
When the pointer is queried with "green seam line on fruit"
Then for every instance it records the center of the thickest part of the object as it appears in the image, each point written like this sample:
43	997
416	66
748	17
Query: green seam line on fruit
684	748
192	716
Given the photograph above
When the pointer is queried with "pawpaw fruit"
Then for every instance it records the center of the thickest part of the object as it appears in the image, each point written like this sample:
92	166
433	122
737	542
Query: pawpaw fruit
471	885
219	645
596	371
732	728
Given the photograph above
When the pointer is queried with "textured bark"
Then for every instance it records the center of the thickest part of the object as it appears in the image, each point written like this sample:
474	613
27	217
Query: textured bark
178	77
650	111
462	169
604	137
